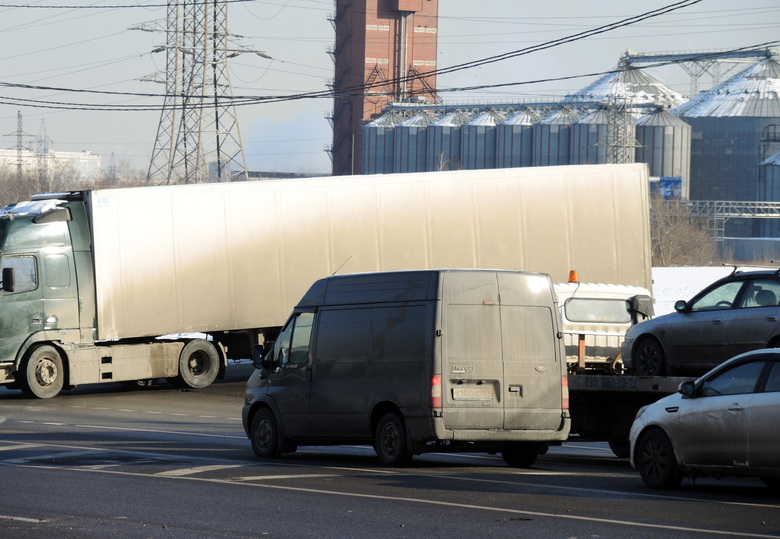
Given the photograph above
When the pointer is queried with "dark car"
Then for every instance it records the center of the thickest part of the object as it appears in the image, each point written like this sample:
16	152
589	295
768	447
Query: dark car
736	314
723	424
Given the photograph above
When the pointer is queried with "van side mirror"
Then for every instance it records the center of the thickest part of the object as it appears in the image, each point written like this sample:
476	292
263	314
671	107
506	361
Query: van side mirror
687	388
261	358
8	284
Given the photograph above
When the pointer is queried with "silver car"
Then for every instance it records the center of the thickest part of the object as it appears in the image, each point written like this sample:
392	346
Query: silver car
733	315
723	424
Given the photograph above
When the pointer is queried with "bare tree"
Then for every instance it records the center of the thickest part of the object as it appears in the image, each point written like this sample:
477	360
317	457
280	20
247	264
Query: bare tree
678	237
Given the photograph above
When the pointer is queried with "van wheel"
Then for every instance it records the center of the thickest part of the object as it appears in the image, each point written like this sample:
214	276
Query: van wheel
391	443
650	359
264	434
656	460
198	365
520	455
43	374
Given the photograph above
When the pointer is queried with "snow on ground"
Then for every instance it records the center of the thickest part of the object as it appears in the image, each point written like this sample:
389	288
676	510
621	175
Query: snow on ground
671	284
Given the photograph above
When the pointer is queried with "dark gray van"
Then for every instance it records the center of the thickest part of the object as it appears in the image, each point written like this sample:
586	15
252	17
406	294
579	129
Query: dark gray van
416	361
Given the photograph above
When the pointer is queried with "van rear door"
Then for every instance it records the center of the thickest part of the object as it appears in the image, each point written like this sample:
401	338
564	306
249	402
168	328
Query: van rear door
500	368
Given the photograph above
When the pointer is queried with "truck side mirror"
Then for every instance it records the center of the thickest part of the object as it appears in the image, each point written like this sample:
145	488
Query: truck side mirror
8	280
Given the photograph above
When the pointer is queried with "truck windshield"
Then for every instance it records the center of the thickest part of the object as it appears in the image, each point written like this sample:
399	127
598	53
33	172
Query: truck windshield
598	310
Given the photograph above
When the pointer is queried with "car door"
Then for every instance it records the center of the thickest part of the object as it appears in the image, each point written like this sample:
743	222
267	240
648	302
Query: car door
756	319
763	434
713	424
697	335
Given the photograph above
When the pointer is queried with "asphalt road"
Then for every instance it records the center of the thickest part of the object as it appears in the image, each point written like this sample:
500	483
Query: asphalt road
113	461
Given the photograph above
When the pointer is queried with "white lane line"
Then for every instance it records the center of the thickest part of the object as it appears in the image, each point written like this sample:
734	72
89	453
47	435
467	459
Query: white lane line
171	432
22	519
18	446
291	476
181	472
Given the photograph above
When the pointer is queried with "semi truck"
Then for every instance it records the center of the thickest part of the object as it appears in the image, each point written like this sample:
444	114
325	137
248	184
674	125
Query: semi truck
172	282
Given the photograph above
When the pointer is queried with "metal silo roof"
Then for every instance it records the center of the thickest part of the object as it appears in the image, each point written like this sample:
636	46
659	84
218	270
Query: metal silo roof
595	117
773	160
524	117
422	119
562	116
660	118
754	92
390	119
632	84
453	119
489	118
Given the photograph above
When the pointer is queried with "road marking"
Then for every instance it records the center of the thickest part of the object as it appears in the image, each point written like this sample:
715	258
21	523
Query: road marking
291	476
18	446
22	519
181	472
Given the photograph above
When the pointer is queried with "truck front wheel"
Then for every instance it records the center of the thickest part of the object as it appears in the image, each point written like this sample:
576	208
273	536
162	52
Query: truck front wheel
43	373
198	365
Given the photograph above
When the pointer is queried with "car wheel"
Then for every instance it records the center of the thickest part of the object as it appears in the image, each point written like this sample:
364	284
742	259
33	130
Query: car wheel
391	443
520	455
656	461
650	359
264	434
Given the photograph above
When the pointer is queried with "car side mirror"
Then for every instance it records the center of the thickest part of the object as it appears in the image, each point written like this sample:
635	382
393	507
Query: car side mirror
687	388
8	284
680	306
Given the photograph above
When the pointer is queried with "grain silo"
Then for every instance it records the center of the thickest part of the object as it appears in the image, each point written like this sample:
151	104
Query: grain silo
378	143
478	141
410	144
726	125
590	139
443	152
514	140
552	138
664	143
769	191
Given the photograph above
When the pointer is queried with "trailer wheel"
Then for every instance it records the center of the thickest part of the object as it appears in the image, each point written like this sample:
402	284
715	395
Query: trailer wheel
650	359
43	373
520	455
264	434
198	365
391	442
656	460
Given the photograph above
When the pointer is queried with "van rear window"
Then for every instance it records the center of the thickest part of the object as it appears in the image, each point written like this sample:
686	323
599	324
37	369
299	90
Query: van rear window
597	310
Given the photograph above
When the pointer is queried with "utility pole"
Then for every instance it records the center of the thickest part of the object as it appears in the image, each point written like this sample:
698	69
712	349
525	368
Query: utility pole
198	139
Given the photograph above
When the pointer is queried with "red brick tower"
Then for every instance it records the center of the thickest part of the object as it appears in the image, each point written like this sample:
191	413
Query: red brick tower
384	50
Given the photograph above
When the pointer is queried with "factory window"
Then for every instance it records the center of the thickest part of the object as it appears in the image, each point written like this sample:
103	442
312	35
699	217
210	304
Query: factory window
431	30
371	27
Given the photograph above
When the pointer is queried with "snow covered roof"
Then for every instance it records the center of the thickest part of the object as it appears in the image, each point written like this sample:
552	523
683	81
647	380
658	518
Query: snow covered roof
453	119
488	118
753	92
660	118
562	116
773	161
28	207
632	84
524	117
421	119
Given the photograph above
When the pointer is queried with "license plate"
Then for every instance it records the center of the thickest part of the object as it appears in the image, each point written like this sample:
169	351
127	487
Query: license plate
472	393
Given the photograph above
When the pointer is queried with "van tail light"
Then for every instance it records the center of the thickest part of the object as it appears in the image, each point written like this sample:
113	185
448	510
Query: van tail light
436	392
565	392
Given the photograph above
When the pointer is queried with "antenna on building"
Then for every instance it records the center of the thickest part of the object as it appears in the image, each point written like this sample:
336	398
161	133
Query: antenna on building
198	139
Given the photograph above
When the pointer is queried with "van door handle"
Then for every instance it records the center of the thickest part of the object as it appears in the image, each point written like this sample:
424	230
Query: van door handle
516	389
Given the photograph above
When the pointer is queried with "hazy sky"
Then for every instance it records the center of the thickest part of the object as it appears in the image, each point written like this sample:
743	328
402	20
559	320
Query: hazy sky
60	48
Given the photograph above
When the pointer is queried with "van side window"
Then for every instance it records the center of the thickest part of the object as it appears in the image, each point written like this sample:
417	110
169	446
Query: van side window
292	347
398	333
25	272
343	335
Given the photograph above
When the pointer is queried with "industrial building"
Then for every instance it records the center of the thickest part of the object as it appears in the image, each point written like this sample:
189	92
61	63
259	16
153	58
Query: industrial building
385	51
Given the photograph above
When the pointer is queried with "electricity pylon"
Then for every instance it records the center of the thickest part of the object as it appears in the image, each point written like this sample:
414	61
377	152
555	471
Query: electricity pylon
198	139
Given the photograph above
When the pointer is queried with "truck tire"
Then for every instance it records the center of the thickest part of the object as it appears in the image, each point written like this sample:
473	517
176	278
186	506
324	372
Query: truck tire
43	375
264	434
391	441
649	358
521	455
655	459
198	365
